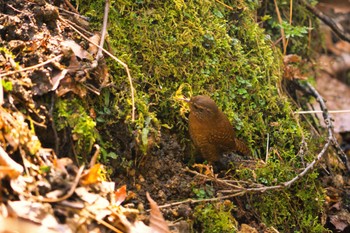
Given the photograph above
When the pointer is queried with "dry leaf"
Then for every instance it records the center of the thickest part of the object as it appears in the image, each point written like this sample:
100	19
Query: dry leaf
157	222
8	166
120	195
93	49
92	176
77	49
57	78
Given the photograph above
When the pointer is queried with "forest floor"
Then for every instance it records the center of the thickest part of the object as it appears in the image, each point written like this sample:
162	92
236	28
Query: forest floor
43	59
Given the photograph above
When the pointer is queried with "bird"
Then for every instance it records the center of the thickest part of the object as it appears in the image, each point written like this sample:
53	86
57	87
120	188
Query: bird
211	131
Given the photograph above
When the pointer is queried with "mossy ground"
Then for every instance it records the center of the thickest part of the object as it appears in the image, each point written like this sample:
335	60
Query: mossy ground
202	47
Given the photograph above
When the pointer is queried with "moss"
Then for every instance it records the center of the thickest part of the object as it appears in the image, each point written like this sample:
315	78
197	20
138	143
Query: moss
70	113
298	209
169	45
215	217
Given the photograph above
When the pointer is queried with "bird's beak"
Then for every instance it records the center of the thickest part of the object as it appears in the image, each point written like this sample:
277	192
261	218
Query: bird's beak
185	99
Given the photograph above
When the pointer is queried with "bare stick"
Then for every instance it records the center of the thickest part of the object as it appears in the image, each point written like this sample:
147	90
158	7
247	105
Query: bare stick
282	30
104	30
3	74
319	111
238	190
53	200
267	148
319	14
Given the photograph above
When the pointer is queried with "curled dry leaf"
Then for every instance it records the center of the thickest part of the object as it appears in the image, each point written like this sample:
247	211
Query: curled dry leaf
92	176
8	167
292	67
77	49
57	78
157	221
120	195
93	49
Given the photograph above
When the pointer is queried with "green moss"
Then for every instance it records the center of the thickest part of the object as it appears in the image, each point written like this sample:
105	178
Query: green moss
298	209
215	217
73	115
223	53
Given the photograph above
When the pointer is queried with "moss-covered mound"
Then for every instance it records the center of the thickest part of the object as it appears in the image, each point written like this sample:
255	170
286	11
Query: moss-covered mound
204	47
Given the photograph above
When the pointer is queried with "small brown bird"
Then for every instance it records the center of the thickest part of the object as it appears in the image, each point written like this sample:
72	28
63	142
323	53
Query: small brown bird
211	131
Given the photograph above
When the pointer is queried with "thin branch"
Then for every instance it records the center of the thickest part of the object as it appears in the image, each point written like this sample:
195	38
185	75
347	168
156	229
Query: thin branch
267	148
238	190
132	90
54	200
104	30
282	30
319	14
328	122
225	5
71	6
319	111
5	73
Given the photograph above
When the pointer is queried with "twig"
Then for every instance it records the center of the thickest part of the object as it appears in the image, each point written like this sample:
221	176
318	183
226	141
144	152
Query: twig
282	30
212	178
267	148
319	111
328	122
325	113
101	221
70	193
95	156
319	14
225	5
73	13
116	59
53	124
237	190
71	6
104	30
5	73
192	201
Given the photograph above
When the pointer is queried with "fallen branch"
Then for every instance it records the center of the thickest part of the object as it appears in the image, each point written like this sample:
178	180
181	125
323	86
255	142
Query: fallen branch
319	14
237	189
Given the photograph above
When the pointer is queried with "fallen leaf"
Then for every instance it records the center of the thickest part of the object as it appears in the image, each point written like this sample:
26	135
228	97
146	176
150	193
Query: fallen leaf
77	49
92	176
157	221
120	195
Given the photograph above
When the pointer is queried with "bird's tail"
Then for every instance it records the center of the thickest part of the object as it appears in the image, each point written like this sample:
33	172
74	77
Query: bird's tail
242	148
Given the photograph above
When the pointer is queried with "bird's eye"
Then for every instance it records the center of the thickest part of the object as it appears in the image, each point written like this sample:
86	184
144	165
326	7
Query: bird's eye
198	108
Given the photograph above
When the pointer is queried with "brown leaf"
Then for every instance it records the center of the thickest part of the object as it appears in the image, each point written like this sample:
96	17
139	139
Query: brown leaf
57	78
92	176
77	49
8	166
93	48
120	195
157	222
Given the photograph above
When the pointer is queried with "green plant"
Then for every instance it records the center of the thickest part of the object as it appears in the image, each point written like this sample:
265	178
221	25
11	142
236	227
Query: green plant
204	192
293	31
71	114
215	217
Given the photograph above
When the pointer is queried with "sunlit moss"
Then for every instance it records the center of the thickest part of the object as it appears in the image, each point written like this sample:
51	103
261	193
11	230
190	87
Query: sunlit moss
222	53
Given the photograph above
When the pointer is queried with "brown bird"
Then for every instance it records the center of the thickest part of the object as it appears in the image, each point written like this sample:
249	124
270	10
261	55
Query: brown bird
211	131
